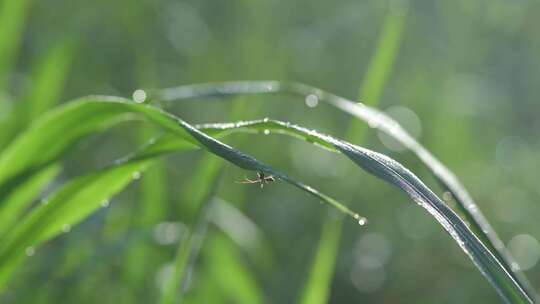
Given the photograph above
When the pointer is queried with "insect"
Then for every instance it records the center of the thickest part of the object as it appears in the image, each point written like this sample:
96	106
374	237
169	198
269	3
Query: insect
261	179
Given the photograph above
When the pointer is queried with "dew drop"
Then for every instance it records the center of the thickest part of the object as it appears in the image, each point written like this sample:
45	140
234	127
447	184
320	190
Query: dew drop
105	203
265	120
373	123
139	96
66	228
136	175
447	196
30	251
312	100
362	221
266	131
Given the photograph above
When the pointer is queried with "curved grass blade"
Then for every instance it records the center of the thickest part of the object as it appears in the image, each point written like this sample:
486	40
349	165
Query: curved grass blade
61	211
394	173
17	201
378	120
83	195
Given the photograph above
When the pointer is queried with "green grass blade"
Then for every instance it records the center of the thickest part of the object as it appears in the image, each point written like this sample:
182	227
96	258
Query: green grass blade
61	211
152	207
319	281
317	289
185	258
48	80
380	65
198	188
394	173
189	248
378	120
230	272
170	293
384	55
12	18
18	200
82	196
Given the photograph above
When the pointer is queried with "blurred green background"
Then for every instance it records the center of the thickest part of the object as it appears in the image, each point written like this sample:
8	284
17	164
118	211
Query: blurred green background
461	76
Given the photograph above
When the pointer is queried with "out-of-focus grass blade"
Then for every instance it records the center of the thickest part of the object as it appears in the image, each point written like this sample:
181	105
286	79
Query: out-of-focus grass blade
48	80
376	119
47	83
320	276
385	53
189	247
229	271
80	197
12	18
171	292
44	93
13	206
61	211
319	279
242	230
381	63
152	207
188	251
199	185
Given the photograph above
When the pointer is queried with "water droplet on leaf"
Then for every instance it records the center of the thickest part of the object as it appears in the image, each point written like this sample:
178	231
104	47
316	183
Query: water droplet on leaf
66	228
30	251
105	203
312	100
139	96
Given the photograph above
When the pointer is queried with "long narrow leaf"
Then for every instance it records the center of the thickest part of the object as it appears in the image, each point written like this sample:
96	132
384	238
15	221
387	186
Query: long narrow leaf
12	18
378	120
82	196
394	173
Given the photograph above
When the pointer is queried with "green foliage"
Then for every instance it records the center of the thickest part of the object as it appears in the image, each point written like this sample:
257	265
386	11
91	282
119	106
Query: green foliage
82	196
79	198
462	66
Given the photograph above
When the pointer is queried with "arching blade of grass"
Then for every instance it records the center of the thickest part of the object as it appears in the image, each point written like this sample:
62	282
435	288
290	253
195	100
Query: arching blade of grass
15	202
30	231
79	198
376	119
394	173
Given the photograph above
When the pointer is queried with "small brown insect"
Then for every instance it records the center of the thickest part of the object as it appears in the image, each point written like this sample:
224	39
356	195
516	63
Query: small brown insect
261	179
